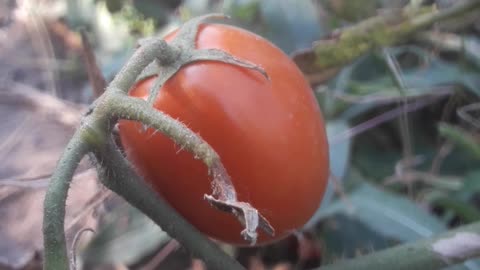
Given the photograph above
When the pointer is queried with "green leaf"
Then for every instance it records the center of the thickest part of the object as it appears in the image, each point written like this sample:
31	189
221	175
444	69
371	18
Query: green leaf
291	25
345	236
471	186
419	70
339	156
368	81
462	138
128	237
372	219
339	147
464	210
387	213
375	153
351	11
159	10
457	204
243	10
376	219
114	5
472	50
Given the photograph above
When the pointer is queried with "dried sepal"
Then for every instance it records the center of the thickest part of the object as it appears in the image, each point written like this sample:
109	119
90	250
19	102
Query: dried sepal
246	214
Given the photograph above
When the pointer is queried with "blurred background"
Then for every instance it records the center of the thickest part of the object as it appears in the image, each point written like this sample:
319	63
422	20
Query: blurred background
402	122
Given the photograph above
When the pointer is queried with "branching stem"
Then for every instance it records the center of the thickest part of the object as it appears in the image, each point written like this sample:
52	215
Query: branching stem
94	136
116	174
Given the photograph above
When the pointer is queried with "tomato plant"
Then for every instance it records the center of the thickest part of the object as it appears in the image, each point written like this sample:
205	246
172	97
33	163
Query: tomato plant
269	135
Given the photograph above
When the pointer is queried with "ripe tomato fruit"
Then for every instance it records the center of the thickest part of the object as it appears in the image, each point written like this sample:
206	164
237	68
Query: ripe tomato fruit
270	136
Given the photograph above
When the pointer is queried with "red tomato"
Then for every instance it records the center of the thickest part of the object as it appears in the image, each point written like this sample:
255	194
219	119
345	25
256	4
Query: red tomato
270	136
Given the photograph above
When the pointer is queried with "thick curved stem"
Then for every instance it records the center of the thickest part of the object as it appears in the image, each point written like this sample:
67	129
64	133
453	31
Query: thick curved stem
117	174
124	107
54	205
447	249
55	198
224	195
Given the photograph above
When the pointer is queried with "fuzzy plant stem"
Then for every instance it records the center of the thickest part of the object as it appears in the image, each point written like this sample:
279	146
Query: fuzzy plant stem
117	174
80	144
94	136
447	249
54	204
124	107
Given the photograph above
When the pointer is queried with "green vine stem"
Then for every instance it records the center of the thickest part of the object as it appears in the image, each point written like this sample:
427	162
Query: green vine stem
224	195
447	249
54	214
55	256
116	174
346	45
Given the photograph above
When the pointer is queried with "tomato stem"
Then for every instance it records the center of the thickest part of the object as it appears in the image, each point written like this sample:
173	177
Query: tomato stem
94	136
182	51
116	173
124	107
54	205
225	197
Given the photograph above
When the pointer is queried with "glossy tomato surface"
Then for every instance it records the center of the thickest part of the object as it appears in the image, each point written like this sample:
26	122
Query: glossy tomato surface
269	134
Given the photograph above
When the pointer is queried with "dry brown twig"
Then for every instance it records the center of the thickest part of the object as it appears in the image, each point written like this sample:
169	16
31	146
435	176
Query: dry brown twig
95	76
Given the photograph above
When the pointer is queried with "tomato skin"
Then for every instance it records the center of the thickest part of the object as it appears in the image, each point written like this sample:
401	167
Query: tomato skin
269	134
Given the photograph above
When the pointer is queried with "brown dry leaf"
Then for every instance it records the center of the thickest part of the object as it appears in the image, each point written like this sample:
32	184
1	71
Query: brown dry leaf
35	128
